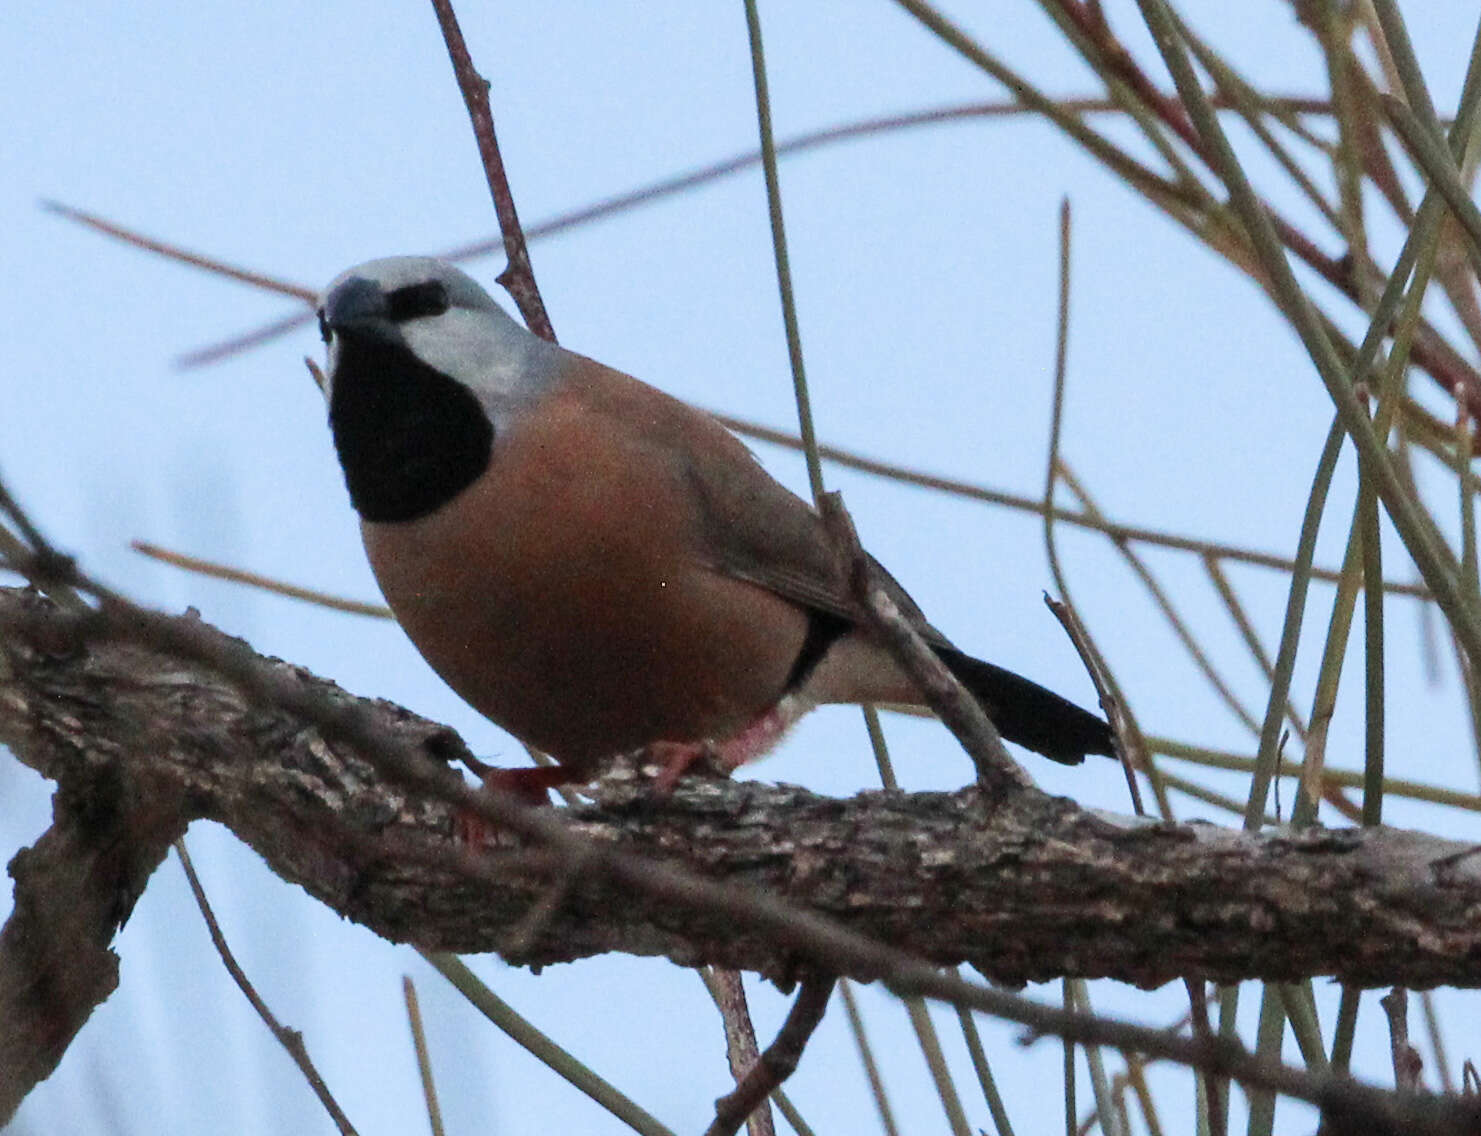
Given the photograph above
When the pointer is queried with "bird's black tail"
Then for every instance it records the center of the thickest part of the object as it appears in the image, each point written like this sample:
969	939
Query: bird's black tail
1026	713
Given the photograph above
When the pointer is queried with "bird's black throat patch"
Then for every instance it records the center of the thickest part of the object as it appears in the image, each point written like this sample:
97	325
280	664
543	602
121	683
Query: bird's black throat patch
409	438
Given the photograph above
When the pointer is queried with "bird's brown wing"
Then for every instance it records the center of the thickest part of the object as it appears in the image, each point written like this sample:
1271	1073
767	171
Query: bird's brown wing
760	531
748	525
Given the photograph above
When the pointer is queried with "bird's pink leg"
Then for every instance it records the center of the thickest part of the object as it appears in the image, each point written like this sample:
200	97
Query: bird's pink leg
531	784
728	755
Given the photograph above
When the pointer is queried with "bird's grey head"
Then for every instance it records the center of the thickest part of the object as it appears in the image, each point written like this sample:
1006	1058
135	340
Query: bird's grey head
425	373
443	317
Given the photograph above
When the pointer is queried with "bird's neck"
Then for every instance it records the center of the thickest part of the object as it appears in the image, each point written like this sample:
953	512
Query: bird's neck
409	438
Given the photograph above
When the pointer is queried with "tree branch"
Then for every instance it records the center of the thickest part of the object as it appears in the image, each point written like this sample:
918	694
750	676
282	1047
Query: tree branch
113	819
778	1062
1022	887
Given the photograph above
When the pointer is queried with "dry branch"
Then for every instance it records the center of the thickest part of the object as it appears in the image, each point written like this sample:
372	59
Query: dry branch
113	820
1022	886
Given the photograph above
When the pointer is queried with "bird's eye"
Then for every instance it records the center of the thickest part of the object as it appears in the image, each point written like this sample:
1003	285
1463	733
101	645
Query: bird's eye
324	333
428	299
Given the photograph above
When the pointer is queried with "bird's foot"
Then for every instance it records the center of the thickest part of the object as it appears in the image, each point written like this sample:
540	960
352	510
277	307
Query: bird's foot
677	759
722	757
530	784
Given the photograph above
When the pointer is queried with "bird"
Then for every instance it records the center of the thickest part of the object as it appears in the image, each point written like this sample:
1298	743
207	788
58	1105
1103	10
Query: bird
595	566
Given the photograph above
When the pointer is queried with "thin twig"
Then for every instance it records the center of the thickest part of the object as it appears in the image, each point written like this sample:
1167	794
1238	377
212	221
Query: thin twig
1112	1119
1269	1038
289	1039
1230	599
424	1060
1350	778
556	1059
1131	747
1345	1031
790	1114
255	580
1087	519
961	713
1408	1065
518	277
1180	626
1431	555
779	252
866	1057
1435	161
1091	519
985	1079
1215	1089
779	1060
1227	230
1136	1076
664	187
1437	1040
1470	1078
1067	1056
224	349
185	256
729	994
1130	751
930	1047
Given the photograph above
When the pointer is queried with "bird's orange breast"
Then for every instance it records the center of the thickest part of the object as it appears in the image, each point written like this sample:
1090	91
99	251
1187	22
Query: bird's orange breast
565	595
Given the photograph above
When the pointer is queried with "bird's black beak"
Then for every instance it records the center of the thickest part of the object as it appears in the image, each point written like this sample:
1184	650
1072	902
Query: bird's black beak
357	306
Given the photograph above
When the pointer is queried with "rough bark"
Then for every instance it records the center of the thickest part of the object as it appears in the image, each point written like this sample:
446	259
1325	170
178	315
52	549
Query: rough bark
1021	886
73	890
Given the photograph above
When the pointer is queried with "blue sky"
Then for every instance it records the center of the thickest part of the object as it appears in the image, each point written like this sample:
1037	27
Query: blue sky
300	140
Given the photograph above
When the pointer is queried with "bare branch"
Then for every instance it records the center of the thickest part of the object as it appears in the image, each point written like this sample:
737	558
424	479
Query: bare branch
518	276
289	1039
112	824
962	714
424	1060
1023	888
1408	1065
256	580
729	993
780	1059
184	256
347	799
